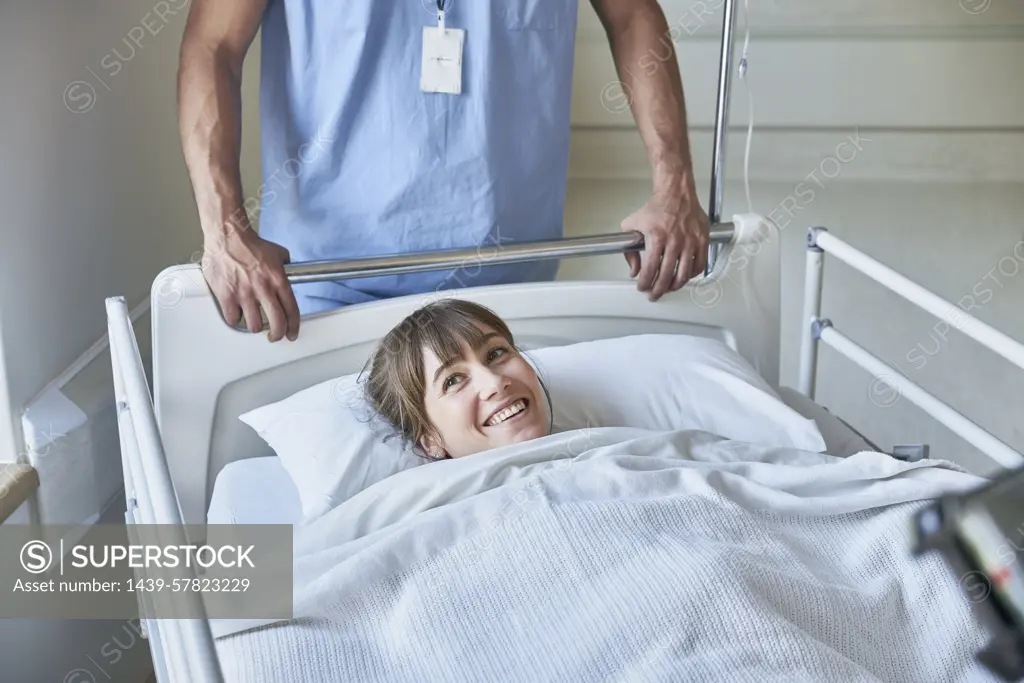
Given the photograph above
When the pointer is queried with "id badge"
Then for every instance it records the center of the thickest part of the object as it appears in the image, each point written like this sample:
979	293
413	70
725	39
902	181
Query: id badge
441	70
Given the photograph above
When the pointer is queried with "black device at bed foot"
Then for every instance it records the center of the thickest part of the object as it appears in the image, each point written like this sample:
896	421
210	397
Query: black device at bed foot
910	452
980	534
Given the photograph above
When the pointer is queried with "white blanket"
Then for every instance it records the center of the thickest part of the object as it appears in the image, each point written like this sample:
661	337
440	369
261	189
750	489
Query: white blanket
623	555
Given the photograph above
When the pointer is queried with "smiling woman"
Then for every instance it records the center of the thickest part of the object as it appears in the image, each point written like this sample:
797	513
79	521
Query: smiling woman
450	379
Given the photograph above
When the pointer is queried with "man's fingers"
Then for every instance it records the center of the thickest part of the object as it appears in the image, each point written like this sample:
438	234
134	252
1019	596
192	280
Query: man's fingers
666	270
700	258
229	308
686	269
633	259
251	311
655	247
275	315
291	310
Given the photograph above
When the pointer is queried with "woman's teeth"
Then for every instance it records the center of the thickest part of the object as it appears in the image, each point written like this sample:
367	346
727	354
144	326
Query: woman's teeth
514	409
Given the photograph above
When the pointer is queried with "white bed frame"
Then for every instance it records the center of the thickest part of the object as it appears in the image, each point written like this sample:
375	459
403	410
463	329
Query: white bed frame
818	329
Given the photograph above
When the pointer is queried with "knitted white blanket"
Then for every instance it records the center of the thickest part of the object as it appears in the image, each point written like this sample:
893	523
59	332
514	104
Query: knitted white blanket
621	555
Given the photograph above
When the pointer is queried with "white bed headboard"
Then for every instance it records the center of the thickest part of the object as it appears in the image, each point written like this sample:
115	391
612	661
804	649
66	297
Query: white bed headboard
206	374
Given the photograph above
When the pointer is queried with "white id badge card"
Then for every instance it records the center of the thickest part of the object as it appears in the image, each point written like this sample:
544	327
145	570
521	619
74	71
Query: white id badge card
442	59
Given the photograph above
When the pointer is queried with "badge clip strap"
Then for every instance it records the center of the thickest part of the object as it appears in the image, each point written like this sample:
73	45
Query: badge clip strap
440	15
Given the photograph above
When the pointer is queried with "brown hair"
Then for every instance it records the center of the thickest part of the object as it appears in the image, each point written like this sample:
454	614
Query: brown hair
396	384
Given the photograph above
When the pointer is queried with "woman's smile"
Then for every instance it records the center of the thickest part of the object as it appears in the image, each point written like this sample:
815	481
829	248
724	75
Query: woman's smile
510	412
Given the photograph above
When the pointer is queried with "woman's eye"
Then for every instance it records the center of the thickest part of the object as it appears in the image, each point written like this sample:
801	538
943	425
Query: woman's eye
497	353
449	382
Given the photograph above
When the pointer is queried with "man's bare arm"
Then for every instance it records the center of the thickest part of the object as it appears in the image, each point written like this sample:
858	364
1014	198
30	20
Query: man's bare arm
243	271
674	224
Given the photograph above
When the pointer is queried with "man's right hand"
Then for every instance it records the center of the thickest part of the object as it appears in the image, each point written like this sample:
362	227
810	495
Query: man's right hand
246	273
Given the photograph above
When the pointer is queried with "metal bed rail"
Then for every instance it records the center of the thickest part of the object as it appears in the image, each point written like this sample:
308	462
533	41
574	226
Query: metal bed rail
182	647
542	250
820	242
473	258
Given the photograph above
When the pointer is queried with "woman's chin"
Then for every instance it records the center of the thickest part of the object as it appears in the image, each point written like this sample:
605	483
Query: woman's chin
522	434
527	433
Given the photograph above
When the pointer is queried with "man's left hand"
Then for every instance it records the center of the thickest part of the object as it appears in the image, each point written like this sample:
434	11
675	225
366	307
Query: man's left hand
675	230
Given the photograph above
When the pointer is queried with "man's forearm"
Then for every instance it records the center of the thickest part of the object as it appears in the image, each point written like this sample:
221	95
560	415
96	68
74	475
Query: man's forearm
209	121
645	59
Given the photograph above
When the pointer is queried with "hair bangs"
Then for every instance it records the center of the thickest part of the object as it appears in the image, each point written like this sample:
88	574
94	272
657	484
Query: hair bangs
448	334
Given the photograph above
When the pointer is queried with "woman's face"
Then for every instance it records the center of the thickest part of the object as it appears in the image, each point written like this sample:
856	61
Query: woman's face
490	397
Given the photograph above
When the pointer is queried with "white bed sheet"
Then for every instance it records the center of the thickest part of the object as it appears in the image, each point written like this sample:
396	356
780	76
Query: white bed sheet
259	490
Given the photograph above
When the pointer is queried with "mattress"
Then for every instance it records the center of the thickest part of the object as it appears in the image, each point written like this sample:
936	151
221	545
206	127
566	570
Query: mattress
254	491
840	438
259	490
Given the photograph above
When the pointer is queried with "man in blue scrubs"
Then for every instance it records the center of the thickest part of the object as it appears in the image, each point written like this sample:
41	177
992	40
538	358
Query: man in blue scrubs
393	126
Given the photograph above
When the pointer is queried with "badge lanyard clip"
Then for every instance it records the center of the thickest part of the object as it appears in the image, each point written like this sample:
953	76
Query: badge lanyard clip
441	68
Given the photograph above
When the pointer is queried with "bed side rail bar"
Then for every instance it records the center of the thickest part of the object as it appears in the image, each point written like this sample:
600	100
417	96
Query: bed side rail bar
542	250
150	499
820	242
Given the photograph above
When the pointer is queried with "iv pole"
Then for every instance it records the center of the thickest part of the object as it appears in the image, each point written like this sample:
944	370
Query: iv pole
721	129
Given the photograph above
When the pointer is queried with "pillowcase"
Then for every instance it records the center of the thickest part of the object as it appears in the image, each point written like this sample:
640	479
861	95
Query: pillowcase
333	446
666	382
330	442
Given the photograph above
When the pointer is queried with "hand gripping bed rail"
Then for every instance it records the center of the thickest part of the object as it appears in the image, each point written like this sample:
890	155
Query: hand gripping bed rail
820	242
183	648
542	250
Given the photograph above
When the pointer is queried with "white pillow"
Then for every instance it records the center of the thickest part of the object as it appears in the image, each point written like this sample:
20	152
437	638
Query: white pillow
332	445
330	442
666	382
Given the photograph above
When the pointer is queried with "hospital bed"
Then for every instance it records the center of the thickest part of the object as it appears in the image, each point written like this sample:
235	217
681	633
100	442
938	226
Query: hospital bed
188	459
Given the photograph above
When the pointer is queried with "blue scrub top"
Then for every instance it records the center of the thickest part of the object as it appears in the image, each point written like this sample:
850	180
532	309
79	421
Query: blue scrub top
357	161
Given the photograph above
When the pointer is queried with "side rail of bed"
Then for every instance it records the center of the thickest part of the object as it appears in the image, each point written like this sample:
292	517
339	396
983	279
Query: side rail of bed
182	647
818	329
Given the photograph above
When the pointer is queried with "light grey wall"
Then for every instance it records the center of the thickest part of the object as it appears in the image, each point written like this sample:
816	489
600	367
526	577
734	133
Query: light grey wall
95	193
9	443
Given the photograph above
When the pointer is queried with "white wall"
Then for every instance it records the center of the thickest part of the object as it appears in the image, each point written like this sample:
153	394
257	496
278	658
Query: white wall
96	201
936	193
